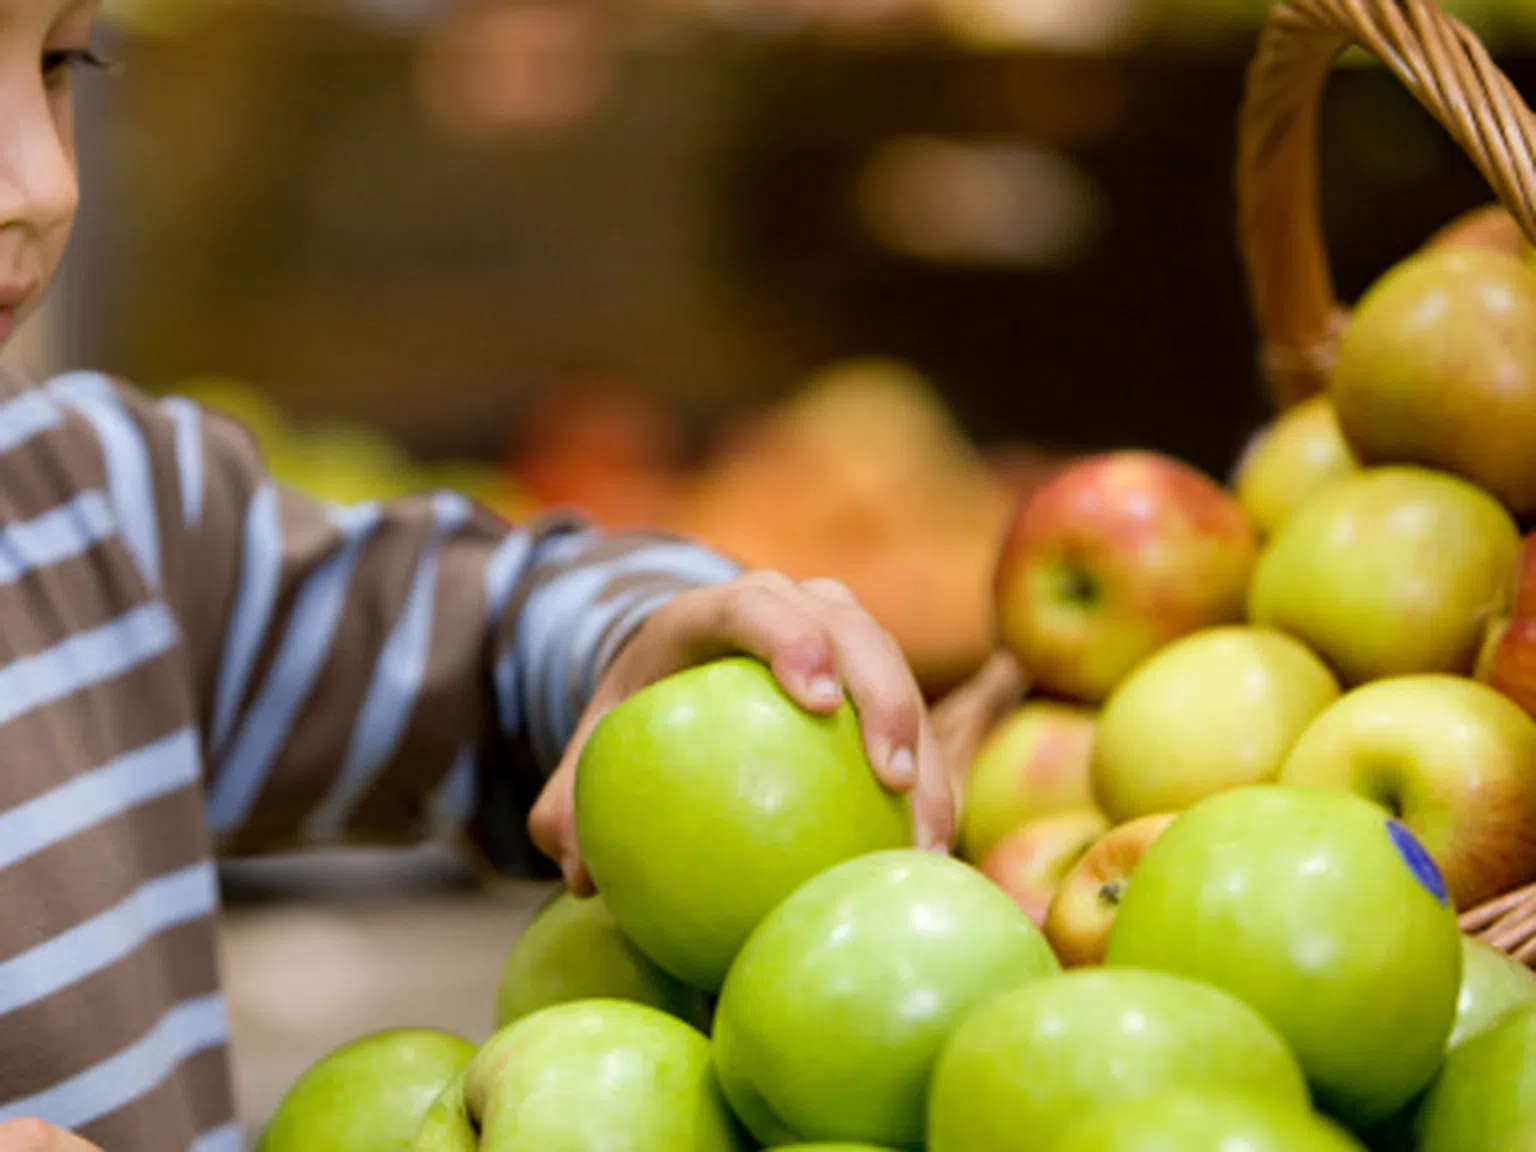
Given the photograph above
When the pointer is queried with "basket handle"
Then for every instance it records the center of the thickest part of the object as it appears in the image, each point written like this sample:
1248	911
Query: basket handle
1450	73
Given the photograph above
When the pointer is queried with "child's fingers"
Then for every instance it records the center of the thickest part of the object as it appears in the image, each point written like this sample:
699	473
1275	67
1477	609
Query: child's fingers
762	616
883	691
933	800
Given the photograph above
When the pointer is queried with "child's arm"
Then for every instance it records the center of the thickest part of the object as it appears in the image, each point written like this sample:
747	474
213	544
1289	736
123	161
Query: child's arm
385	673
31	1135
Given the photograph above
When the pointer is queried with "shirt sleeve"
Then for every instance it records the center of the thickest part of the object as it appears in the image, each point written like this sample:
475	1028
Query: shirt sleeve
375	673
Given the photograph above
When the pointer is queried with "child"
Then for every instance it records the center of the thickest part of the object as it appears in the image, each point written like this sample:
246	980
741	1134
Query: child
194	660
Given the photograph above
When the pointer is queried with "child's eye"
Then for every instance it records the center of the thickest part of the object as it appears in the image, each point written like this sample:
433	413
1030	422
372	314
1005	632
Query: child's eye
58	64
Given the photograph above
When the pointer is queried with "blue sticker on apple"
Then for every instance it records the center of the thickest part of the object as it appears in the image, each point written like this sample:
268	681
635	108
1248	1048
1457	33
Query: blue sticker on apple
1420	862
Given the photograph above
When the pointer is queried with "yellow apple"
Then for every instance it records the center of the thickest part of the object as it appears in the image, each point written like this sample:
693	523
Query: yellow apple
1453	759
1290	461
1212	711
1391	571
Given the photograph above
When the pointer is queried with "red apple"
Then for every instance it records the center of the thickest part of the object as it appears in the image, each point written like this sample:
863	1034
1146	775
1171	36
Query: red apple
1111	559
1083	913
1035	763
1508	658
1032	860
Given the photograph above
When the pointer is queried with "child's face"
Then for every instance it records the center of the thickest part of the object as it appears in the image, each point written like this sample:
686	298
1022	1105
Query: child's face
41	42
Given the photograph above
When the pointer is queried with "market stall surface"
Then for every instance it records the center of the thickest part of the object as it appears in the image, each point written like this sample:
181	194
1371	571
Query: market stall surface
321	949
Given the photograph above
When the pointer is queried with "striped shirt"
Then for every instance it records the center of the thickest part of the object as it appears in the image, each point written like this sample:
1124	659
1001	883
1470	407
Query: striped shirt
195	661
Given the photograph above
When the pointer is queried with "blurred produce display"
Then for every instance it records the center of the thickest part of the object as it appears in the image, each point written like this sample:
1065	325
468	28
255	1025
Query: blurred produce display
862	475
979	25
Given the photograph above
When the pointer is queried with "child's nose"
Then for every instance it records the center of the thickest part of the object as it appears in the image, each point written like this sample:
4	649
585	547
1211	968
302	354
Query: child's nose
39	189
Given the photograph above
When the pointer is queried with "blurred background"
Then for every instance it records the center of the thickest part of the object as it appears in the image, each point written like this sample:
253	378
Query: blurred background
827	283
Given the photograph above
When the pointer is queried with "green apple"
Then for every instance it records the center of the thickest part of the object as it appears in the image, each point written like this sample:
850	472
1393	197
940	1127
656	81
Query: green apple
1493	984
1438	367
1212	711
586	1076
856	979
1082	913
1324	914
1290	461
1112	558
1200	1120
368	1094
1484	1098
1021	1069
1391	571
1035	763
706	798
1031	862
573	949
1453	759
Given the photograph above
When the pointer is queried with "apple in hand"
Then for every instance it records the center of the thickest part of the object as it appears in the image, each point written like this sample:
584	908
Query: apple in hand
1484	1098
1023	1068
1324	914
1215	710
1290	461
1034	763
1391	571
1083	912
706	798
1031	862
585	1076
833	1014
1508	658
1112	558
1493	984
573	949
1452	759
1203	1120
370	1093
1438	367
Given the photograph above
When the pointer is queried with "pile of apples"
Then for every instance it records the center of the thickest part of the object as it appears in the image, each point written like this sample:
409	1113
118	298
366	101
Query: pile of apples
1206	889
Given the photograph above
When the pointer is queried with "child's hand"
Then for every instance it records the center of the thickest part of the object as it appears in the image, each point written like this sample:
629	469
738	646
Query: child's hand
35	1136
819	643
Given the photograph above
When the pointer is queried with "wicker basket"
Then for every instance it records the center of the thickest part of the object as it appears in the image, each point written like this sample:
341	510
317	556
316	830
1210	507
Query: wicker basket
1298	316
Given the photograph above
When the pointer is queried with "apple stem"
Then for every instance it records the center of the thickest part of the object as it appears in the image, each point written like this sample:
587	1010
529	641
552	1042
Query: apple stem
1076	585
